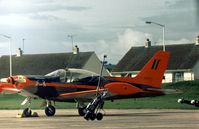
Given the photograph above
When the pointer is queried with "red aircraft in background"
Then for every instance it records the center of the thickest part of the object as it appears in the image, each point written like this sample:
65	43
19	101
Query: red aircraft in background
82	86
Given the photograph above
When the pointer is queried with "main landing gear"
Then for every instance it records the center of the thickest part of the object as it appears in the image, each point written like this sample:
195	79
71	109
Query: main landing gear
27	112
50	110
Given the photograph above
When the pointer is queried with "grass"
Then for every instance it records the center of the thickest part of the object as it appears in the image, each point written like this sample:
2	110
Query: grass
13	101
188	90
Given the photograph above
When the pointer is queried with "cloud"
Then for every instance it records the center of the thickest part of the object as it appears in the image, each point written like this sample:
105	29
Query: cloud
30	7
180	41
100	25
197	10
47	17
180	4
115	49
131	37
4	46
179	20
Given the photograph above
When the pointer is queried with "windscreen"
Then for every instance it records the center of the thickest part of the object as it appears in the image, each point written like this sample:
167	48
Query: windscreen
71	75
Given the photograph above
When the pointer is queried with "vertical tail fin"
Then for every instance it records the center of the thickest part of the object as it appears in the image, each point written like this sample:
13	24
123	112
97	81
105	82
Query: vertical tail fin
153	71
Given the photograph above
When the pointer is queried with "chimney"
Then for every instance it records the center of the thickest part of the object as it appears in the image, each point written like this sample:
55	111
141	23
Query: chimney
76	50
197	40
148	43
19	52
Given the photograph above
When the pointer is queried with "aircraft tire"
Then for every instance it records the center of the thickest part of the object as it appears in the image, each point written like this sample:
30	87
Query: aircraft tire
99	116
87	116
27	112
81	111
50	110
93	116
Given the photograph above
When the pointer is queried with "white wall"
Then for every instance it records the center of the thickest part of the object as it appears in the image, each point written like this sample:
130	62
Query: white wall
94	65
168	78
188	76
196	71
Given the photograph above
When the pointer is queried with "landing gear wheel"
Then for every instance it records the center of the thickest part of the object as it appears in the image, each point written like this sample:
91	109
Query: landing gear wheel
50	110
99	116
27	112
93	116
87	116
81	111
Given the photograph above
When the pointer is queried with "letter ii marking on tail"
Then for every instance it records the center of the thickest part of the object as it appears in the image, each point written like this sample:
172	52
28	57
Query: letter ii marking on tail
155	64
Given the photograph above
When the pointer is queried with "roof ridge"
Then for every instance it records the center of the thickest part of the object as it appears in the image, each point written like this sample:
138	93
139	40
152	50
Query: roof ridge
49	53
160	45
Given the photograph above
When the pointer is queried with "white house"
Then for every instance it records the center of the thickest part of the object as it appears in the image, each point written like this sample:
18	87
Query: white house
183	63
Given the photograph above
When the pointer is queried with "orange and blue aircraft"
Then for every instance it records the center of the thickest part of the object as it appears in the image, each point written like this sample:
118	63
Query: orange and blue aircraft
82	86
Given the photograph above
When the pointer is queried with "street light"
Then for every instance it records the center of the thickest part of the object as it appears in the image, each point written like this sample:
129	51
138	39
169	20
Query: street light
72	40
163	31
9	38
23	44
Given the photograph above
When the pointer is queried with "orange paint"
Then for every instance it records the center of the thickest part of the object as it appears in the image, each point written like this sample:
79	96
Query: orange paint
81	92
122	88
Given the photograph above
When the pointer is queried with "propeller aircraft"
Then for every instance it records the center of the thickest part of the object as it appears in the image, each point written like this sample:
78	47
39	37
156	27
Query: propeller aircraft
82	86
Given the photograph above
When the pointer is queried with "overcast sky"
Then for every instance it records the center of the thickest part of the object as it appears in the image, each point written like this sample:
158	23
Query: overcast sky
109	27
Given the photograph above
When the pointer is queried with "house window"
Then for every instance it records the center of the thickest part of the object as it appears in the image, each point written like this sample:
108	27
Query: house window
178	76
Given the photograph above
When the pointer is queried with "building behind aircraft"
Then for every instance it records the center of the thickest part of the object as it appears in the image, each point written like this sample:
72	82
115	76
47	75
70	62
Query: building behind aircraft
183	65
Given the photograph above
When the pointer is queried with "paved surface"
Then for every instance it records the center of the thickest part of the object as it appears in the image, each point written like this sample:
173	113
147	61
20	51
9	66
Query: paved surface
114	119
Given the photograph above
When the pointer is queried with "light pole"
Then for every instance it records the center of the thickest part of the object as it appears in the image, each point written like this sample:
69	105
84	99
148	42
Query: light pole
23	44
163	32
9	38
72	40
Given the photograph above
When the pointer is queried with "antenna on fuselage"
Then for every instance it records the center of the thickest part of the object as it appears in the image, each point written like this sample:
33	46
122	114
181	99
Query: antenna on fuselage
98	85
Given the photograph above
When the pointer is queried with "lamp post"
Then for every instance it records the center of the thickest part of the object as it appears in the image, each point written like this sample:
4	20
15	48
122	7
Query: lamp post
23	44
72	40
9	38
163	31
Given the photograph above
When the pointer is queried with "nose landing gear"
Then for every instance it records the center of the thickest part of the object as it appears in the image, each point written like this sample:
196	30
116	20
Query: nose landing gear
27	111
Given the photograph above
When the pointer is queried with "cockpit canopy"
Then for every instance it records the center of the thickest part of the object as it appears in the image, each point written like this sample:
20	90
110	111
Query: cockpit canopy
71	75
